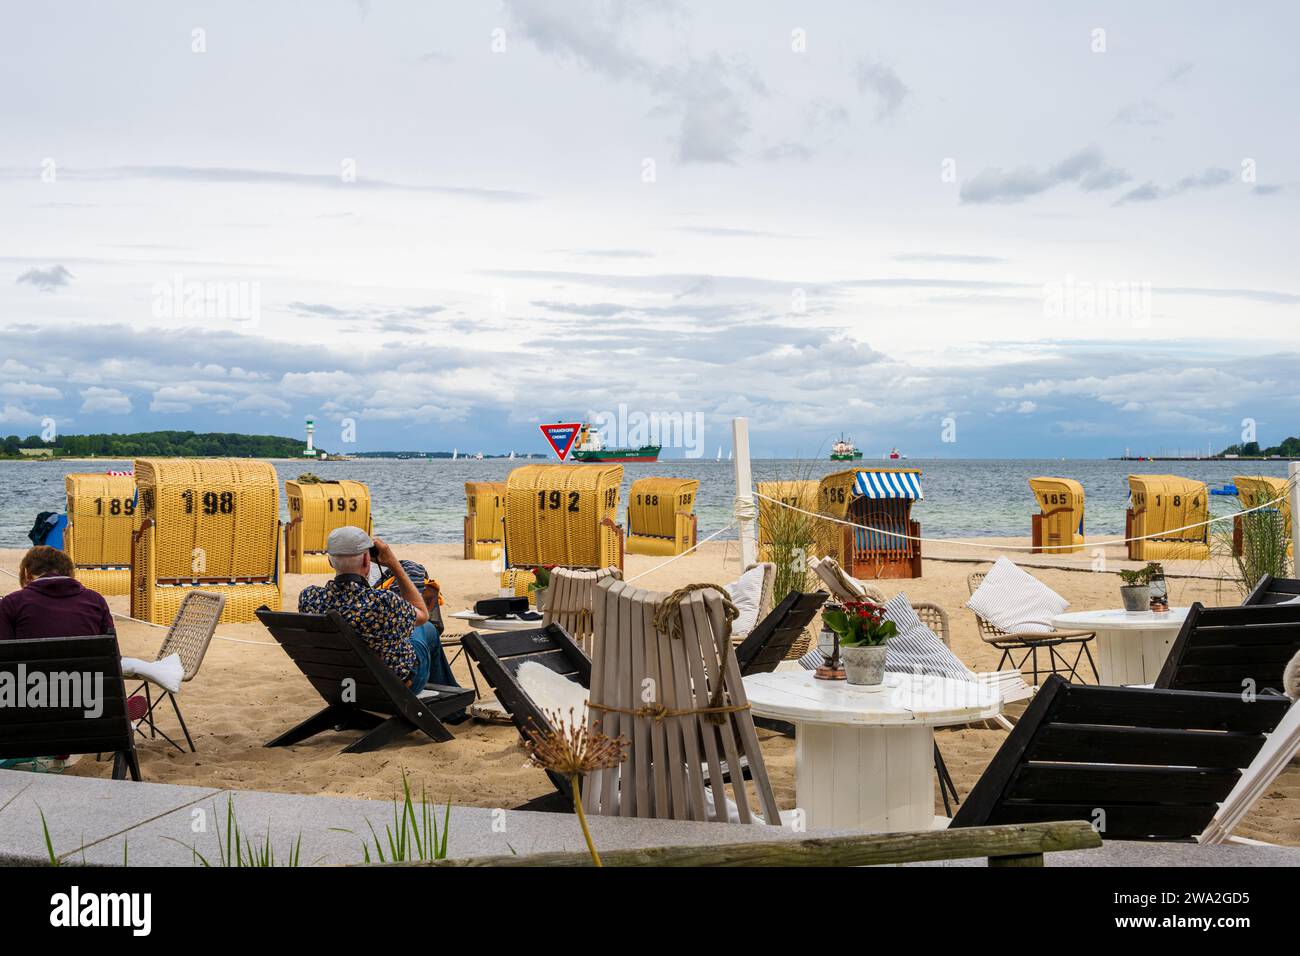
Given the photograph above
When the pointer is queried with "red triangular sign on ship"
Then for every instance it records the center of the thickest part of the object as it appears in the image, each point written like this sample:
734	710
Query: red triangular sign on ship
561	437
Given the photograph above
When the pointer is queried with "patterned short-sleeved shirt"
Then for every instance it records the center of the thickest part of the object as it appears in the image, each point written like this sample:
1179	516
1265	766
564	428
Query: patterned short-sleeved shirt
382	618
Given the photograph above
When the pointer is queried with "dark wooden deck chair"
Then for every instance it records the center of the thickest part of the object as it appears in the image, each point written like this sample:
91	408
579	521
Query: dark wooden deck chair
769	643
1138	763
1233	650
1271	590
359	690
499	655
84	707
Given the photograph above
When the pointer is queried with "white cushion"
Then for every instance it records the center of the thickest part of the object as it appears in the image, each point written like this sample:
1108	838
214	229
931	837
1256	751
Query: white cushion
747	595
167	672
563	701
1016	601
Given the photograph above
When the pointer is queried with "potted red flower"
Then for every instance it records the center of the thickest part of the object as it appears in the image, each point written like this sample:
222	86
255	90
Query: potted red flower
864	640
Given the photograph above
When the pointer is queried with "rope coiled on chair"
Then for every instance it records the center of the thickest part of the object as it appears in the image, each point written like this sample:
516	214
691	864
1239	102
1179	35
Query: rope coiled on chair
668	620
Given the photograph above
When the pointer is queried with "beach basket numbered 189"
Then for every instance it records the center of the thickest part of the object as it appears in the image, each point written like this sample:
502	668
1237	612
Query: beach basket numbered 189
101	517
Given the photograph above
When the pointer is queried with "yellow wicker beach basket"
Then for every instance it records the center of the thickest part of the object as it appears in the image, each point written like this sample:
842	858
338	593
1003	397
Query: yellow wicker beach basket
1256	490
212	523
660	520
1160	504
316	509
800	493
101	514
1058	527
485	514
564	515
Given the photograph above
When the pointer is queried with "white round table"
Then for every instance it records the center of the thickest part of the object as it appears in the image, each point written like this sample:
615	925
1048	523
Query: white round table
864	758
1131	646
496	623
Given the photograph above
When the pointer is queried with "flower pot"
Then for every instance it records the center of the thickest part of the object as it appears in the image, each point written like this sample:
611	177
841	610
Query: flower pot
1137	597
539	598
865	665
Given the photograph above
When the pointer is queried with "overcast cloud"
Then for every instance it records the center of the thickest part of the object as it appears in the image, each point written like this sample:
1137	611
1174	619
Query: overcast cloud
452	222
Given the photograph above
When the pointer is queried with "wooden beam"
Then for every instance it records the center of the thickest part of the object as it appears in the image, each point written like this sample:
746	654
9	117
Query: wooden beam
1007	845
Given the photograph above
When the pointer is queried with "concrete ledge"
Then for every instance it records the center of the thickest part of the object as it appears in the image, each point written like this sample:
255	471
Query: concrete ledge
96	821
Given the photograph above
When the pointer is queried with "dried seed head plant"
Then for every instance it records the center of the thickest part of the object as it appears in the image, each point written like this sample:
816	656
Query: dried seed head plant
572	752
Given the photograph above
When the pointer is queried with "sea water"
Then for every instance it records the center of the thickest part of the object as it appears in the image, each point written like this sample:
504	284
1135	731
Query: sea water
423	500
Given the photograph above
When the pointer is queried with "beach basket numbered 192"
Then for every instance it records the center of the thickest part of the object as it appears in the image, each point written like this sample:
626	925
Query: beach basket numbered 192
564	515
208	523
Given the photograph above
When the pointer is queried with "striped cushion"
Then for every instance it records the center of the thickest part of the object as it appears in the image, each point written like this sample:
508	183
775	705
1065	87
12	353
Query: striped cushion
915	649
1015	601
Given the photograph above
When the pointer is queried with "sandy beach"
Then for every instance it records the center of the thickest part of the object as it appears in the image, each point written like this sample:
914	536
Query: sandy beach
248	691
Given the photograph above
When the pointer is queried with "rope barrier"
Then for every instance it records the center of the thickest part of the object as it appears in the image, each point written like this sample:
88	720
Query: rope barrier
128	617
1027	548
683	554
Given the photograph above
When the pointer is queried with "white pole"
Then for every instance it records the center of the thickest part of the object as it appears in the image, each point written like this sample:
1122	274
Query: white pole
745	511
1293	473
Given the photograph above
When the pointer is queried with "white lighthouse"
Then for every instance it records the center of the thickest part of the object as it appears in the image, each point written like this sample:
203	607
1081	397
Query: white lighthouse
311	433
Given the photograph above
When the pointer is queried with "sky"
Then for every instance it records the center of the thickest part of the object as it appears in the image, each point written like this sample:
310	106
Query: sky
997	230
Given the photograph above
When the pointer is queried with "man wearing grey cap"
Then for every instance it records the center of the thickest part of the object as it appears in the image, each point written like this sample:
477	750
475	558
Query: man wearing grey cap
384	619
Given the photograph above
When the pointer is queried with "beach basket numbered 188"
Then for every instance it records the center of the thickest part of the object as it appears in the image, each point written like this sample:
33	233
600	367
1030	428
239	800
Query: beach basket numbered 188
208	523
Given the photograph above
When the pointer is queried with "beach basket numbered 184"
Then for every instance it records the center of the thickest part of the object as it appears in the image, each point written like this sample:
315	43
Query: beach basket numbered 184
101	517
564	515
316	509
1162	507
207	523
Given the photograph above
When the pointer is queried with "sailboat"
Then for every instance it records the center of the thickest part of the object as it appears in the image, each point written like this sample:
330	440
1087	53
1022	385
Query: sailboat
454	454
719	453
512	454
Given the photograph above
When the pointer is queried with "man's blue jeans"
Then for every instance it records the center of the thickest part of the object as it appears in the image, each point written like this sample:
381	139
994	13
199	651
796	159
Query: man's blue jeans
431	665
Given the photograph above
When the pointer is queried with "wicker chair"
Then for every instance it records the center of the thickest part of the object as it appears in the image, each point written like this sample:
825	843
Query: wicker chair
842	586
189	636
1032	643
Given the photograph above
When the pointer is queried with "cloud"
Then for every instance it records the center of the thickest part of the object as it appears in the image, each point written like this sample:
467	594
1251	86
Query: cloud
964	260
708	97
1149	192
1142	113
11	414
1268	189
29	390
105	401
1177	72
227	175
47	280
1087	168
885	84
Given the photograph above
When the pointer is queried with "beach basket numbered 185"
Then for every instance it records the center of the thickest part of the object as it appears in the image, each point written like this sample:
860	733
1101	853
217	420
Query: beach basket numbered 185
208	523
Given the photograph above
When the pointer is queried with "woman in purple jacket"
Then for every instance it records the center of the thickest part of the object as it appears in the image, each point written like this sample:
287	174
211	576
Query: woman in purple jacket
51	602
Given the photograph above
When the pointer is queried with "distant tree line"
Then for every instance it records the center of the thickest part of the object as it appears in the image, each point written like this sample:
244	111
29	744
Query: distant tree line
1290	448
160	444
